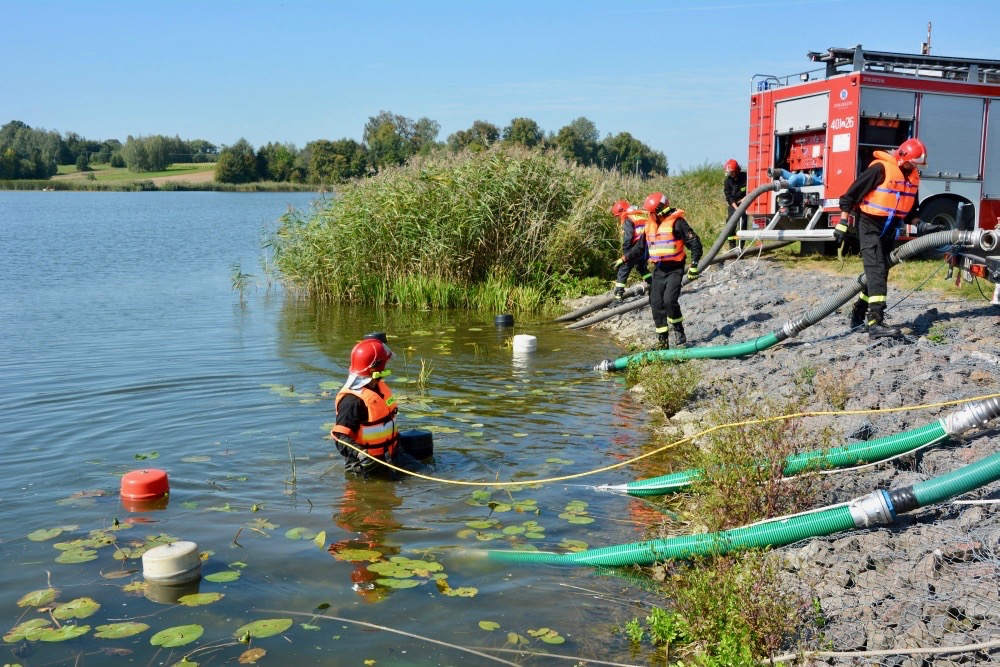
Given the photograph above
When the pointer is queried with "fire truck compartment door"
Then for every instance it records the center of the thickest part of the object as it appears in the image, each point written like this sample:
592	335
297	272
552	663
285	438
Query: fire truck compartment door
803	113
991	179
883	103
952	129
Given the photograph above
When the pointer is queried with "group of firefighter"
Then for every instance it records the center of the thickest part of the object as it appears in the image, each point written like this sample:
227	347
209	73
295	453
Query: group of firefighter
657	242
656	239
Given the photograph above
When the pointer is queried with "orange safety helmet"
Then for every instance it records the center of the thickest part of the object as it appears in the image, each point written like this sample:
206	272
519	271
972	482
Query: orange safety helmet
912	150
620	207
655	203
369	355
732	166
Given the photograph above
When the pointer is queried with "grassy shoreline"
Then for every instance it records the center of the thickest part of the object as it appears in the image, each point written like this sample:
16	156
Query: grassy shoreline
147	185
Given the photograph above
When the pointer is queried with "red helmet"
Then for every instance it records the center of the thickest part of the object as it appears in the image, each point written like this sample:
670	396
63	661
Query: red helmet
656	202
369	355
619	208
912	150
732	166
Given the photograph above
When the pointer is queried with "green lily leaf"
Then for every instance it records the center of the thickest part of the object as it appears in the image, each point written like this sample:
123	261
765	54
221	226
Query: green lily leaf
357	554
222	577
398	583
265	628
77	556
481	525
300	533
199	599
119	630
37	598
78	608
320	539
489	626
25	630
42	534
60	634
464	592
178	635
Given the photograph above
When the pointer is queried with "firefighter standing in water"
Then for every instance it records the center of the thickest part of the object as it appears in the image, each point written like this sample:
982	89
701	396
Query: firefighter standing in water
366	412
634	255
886	195
734	188
668	237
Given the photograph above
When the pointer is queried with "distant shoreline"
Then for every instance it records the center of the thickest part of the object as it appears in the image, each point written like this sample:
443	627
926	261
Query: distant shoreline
150	185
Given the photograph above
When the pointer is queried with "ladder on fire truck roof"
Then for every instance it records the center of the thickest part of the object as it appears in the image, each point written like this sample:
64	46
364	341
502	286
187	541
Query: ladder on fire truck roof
856	59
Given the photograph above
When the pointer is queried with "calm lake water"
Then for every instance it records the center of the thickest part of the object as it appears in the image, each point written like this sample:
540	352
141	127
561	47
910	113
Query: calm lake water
125	347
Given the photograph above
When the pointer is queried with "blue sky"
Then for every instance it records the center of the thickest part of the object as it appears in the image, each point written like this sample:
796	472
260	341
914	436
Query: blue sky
675	74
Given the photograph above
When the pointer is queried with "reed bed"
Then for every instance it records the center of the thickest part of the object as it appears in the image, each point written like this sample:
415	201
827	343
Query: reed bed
504	229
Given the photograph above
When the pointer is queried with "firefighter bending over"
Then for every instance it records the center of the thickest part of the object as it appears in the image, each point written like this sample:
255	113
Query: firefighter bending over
668	236
634	255
886	195
366	412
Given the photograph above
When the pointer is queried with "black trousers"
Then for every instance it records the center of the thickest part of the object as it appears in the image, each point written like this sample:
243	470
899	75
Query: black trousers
624	269
665	292
875	251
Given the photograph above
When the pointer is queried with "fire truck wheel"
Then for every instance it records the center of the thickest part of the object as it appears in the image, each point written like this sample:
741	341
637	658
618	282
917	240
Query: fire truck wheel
940	212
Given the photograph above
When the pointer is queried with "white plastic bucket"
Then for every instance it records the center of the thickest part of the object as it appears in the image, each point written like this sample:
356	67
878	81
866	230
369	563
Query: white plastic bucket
525	343
172	564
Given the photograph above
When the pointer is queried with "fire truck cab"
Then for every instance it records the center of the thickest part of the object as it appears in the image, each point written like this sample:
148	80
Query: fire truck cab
819	129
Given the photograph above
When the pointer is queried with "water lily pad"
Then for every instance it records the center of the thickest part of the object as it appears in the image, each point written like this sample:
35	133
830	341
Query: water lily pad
222	577
60	634
474	434
178	635
37	598
320	539
251	656
519	435
300	533
309	626
481	525
513	530
580	519
78	608
489	626
573	545
265	628
358	554
464	592
434	428
77	556
200	458
199	599
25	630
397	583
148	455
119	630
559	461
43	534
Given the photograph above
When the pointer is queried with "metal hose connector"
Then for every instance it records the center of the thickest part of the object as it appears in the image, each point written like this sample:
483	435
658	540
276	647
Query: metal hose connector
974	415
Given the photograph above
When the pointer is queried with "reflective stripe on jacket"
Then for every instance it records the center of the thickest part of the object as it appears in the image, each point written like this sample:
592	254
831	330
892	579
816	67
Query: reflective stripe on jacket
377	436
896	195
663	244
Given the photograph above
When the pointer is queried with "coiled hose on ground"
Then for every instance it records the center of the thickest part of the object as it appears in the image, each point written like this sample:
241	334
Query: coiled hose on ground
877	508
797	326
973	415
707	260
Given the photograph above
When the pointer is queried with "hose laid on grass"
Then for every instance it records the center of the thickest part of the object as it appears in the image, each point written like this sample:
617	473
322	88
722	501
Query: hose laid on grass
797	326
877	508
974	415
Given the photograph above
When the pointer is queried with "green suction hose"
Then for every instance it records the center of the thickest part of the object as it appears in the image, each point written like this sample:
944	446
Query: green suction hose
974	415
877	508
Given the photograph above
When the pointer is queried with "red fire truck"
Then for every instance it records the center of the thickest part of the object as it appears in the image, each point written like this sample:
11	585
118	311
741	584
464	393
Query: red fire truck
821	127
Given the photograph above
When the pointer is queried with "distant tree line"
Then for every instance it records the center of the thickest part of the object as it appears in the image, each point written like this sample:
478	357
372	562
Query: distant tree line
388	140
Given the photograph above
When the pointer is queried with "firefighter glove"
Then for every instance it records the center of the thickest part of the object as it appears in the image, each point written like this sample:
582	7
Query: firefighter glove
619	262
840	232
930	228
692	273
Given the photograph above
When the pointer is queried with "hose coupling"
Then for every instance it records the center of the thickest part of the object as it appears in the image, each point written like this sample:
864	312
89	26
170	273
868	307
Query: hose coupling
973	415
988	239
875	509
604	366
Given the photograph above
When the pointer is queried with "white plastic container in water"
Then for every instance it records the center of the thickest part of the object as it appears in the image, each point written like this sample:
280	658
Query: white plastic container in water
525	343
172	564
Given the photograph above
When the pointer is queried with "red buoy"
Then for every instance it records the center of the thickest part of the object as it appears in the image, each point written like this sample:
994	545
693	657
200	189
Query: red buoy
146	484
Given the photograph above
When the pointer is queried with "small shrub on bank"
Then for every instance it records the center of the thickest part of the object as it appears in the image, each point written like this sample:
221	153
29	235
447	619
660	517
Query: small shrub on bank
668	385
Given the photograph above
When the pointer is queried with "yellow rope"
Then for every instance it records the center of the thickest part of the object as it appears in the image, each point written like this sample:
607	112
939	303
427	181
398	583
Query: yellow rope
762	420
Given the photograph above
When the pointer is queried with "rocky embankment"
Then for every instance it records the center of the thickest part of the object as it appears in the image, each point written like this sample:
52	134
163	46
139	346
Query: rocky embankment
931	580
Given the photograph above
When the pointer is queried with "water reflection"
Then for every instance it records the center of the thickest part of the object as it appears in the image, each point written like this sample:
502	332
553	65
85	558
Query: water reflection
365	512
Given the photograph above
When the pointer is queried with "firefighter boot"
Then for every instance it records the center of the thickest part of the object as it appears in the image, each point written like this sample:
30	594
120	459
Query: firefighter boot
680	340
619	293
664	341
878	329
858	313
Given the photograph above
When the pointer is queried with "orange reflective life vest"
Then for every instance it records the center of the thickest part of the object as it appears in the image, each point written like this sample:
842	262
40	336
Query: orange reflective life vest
896	194
377	436
663	244
638	220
